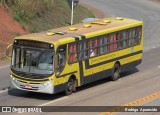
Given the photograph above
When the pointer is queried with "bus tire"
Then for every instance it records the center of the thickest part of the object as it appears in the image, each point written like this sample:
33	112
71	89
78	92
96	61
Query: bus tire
115	72
69	87
74	85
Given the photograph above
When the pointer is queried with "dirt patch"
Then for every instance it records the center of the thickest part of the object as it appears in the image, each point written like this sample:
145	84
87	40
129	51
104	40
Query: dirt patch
9	29
157	1
96	12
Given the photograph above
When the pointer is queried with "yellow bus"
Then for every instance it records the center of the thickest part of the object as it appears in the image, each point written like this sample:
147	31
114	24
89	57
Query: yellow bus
65	58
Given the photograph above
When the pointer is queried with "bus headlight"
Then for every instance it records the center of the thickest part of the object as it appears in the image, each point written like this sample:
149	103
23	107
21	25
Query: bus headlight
47	83
13	78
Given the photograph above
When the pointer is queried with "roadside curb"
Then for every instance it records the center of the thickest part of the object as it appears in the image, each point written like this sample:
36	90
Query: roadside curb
156	1
98	13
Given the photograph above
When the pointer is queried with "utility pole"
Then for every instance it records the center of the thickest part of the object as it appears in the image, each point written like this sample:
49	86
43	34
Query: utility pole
72	12
72	4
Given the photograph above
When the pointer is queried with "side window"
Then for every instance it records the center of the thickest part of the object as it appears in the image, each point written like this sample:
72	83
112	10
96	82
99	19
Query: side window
120	40
113	42
72	53
130	37
101	42
127	38
132	34
92	46
61	58
86	49
134	37
96	46
81	53
104	44
83	50
138	35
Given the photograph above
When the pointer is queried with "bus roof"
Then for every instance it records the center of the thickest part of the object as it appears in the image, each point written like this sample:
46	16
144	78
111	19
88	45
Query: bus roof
69	32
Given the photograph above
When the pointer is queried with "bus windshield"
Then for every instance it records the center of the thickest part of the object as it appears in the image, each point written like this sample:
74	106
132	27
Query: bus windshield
32	61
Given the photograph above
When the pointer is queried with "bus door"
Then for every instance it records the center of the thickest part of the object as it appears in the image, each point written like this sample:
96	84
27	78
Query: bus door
60	59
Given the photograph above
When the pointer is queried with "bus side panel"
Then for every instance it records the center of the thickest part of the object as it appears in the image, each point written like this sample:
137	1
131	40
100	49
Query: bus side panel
131	65
97	76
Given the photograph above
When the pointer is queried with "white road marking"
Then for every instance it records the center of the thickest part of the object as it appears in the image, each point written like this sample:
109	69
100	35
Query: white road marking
158	66
54	101
4	91
4	66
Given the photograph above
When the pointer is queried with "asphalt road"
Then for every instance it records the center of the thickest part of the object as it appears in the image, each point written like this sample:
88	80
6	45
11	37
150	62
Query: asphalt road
137	9
135	84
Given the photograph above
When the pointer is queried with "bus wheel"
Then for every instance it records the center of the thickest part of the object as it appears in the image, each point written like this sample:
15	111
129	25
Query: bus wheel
74	85
69	87
115	72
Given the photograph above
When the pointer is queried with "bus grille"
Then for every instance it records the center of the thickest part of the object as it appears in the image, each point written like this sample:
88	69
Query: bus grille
30	77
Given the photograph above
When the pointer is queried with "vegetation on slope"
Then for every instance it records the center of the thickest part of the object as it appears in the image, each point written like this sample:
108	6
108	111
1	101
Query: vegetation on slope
36	16
39	15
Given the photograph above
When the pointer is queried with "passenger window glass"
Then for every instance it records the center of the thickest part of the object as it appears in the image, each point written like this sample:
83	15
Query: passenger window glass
93	47
111	42
115	41
133	36
96	47
101	41
130	38
103	44
105	39
72	53
83	50
133	32
92	53
120	40
127	38
80	45
138	35
86	49
100	44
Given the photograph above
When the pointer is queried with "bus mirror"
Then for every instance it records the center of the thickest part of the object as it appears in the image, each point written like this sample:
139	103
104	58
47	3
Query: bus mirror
9	51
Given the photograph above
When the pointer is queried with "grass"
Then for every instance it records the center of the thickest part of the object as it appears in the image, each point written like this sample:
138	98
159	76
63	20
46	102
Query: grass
41	15
2	58
90	14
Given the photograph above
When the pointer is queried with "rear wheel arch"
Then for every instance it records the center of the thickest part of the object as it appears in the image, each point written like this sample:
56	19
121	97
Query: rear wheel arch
118	62
71	85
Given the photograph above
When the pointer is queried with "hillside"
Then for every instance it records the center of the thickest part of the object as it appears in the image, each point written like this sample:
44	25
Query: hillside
19	17
9	28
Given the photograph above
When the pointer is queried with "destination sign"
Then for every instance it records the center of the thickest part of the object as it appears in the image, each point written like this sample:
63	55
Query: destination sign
34	44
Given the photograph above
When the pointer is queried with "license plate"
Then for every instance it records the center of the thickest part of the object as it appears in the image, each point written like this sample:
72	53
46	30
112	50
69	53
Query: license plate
28	86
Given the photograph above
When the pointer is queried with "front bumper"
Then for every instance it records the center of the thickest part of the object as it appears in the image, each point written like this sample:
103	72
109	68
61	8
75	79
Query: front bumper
42	88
